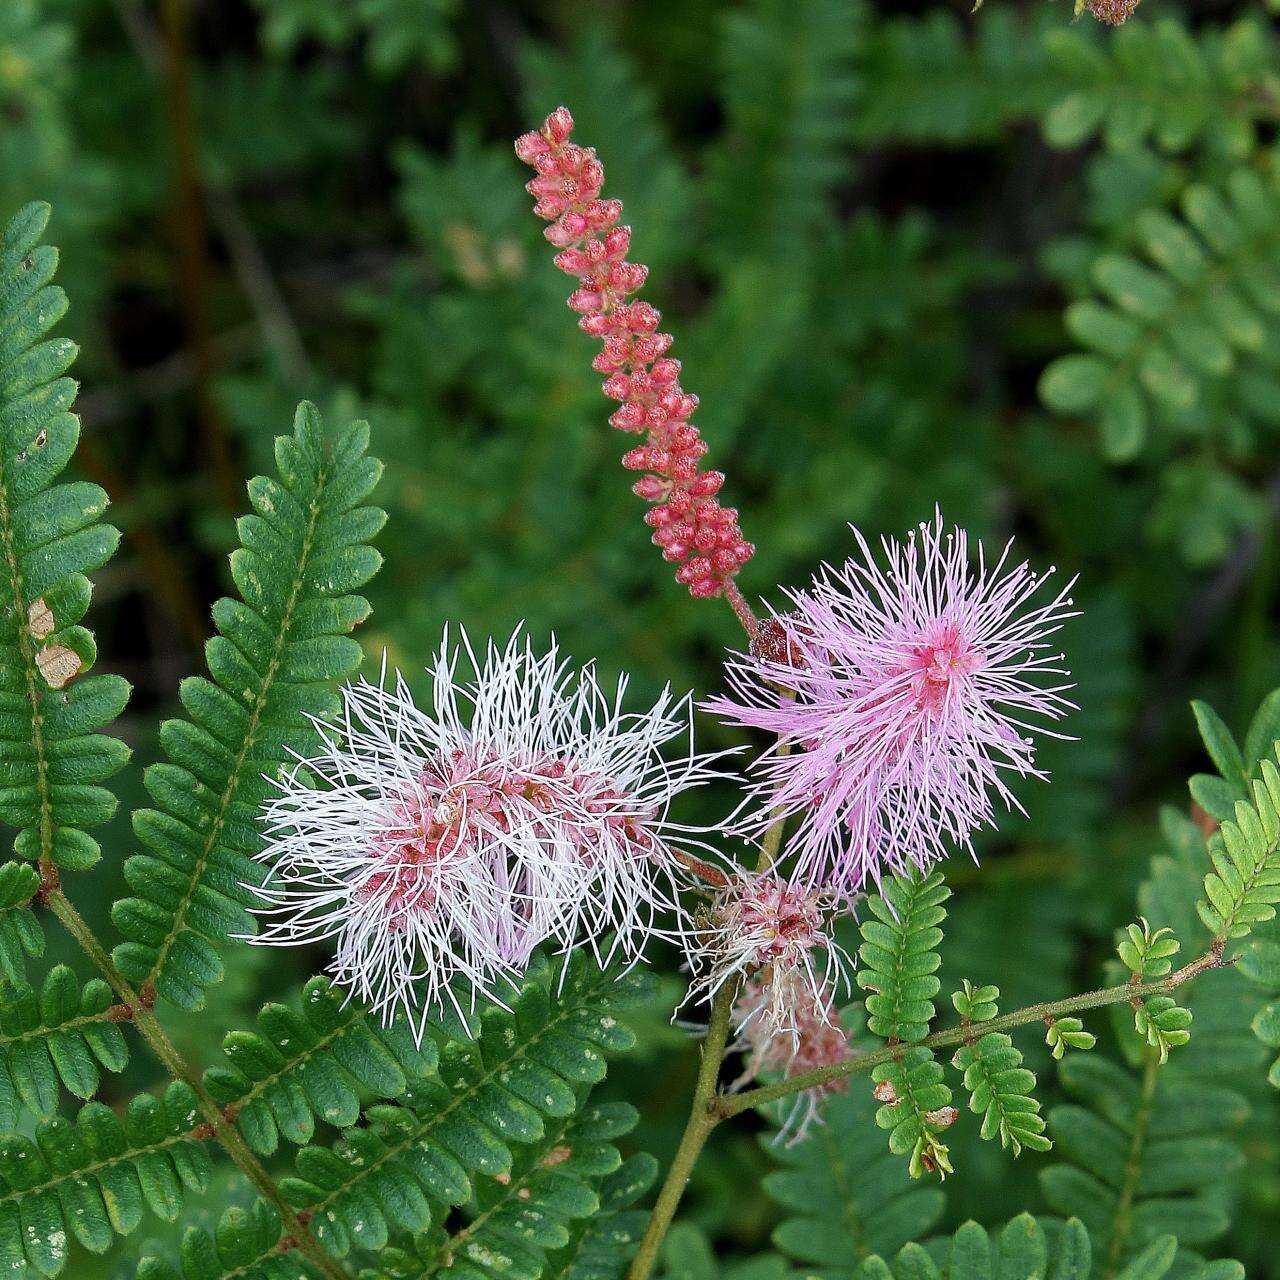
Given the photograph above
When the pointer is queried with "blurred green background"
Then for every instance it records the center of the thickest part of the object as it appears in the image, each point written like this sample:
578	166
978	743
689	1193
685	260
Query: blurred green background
910	255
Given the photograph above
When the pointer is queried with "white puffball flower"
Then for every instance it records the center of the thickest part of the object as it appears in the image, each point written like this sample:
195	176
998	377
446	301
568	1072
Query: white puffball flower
438	847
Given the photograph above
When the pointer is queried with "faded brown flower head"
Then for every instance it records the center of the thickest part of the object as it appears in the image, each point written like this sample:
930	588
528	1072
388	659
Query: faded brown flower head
1112	12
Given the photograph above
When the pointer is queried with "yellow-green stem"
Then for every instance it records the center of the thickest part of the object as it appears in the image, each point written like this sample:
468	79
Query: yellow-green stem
702	1119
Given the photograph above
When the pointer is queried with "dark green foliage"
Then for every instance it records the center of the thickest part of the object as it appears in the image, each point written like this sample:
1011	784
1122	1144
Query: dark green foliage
521	1226
928	80
397	34
54	758
243	1245
789	111
62	1033
1156	81
1169	328
1142	1158
1019	1250
843	1194
866	250
280	647
316	1063
606	1243
95	1178
1027	1248
449	1138
1260	963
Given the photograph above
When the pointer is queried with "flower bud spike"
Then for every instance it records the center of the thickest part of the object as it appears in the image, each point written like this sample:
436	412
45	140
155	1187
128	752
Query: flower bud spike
594	246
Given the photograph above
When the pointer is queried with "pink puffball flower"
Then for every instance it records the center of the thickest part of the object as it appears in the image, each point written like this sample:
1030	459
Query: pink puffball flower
438	847
903	693
758	921
815	1038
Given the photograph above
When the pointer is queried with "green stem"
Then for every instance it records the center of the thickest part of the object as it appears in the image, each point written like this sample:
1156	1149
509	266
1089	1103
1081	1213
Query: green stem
226	1133
726	1106
702	1119
1133	1166
703	1113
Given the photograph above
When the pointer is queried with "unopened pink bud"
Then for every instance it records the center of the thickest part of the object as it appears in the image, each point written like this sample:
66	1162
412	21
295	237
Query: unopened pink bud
559	125
653	489
559	234
637	459
644	317
603	213
630	417
627	277
529	146
594	244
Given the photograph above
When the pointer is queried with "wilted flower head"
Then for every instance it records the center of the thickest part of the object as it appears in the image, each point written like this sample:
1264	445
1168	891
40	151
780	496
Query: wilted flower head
758	921
900	694
526	805
815	1038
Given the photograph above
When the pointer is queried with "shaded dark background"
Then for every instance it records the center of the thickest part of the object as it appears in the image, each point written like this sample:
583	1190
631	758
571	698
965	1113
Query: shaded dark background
864	245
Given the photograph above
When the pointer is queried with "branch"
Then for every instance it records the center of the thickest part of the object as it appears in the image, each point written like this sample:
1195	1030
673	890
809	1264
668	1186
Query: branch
726	1106
702	1119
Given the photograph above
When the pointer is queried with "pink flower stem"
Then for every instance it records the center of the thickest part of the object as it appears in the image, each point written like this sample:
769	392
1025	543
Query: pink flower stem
741	609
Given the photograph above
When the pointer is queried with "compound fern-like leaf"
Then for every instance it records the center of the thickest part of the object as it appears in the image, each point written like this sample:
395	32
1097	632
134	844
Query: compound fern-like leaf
245	1245
1142	1159
304	552
93	1179
1164	331
64	1034
1242	889
514	1224
52	756
1000	1087
526	1072
319	1063
900	939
